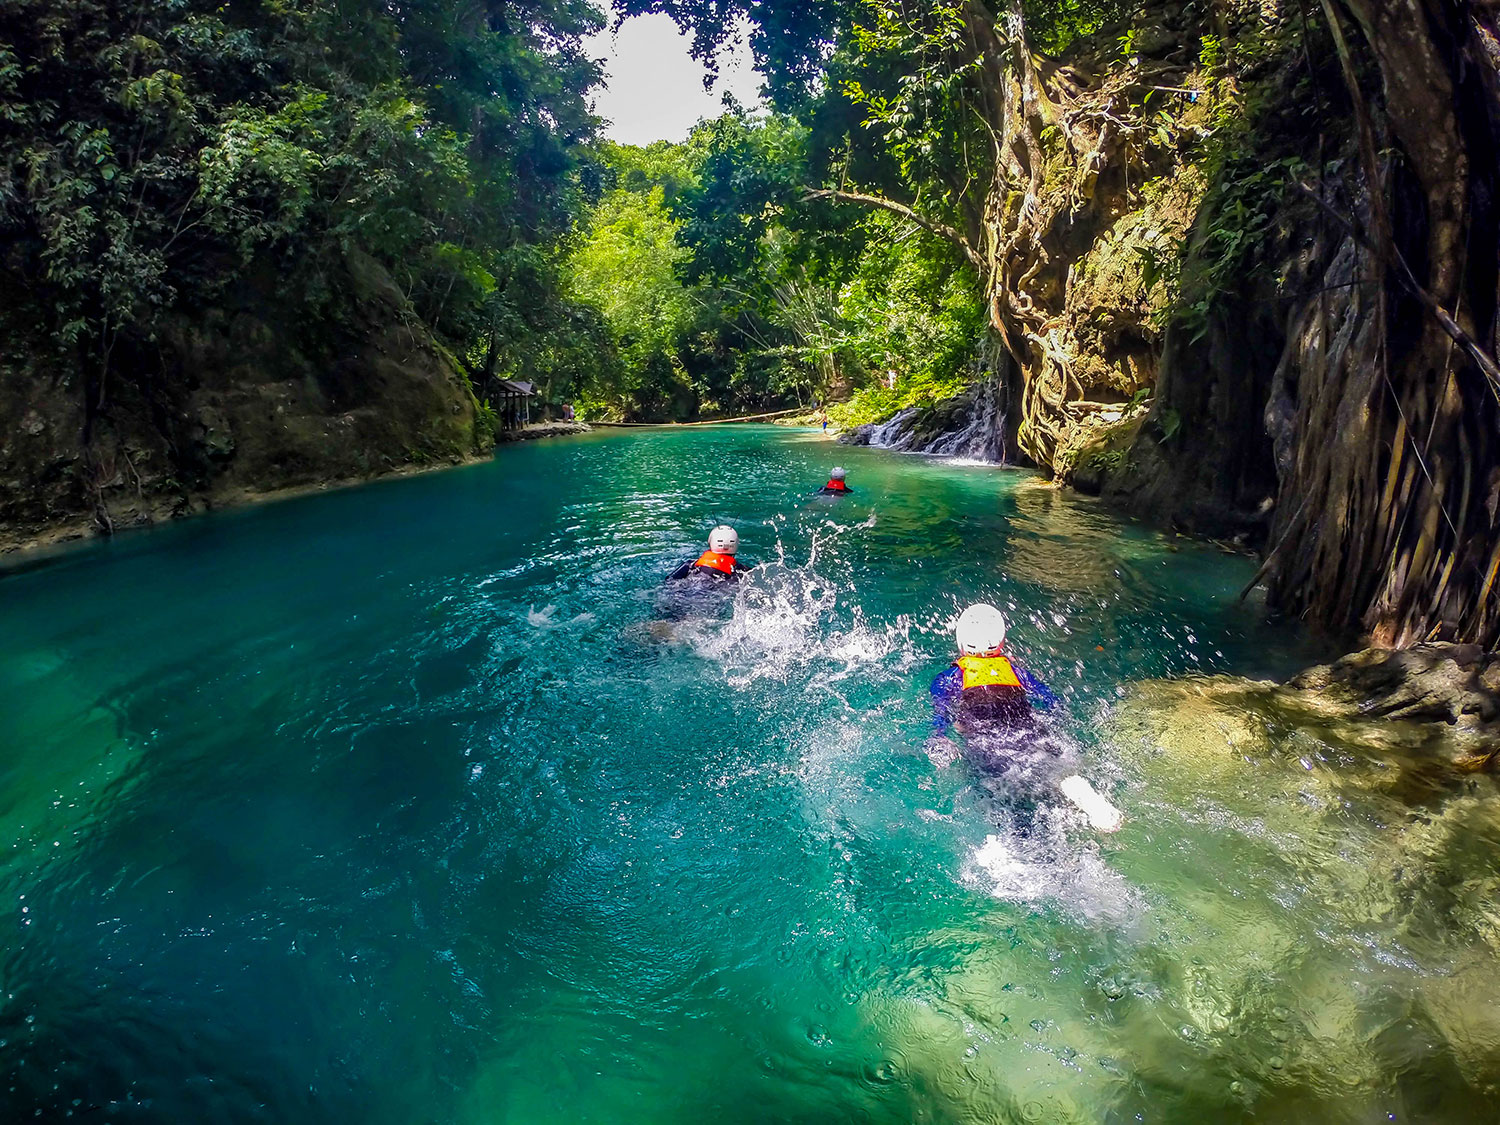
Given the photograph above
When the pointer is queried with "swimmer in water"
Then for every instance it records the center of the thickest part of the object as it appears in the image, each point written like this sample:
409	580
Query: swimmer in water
835	485
718	561
988	699
696	590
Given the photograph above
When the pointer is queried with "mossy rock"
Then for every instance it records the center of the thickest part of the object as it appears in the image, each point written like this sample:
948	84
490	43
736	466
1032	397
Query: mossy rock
1098	448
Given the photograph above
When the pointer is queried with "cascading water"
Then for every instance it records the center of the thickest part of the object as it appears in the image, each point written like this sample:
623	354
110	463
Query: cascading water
895	433
979	435
982	436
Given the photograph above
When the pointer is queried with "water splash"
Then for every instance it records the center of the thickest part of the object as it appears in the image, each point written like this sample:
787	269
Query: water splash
789	616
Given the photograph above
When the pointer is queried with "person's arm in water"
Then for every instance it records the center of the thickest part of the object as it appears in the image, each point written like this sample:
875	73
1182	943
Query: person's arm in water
681	572
1041	696
946	689
1102	815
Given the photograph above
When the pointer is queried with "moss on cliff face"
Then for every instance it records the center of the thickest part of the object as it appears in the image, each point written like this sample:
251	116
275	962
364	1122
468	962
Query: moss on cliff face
247	398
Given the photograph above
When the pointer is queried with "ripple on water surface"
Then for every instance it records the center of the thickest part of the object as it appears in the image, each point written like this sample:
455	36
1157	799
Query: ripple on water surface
425	802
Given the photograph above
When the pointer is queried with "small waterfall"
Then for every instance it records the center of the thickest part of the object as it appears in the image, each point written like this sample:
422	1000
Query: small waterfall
897	432
982	435
971	427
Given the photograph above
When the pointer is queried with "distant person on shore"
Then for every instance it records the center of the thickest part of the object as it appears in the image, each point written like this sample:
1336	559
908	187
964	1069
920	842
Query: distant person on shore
835	485
988	700
718	561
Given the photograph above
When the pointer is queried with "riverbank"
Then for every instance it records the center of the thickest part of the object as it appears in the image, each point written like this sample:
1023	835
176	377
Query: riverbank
21	548
775	417
542	430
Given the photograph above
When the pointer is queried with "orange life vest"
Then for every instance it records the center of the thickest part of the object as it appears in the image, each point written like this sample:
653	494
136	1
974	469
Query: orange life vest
987	671
713	560
835	486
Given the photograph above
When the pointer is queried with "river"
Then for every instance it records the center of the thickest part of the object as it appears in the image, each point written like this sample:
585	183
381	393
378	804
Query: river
417	803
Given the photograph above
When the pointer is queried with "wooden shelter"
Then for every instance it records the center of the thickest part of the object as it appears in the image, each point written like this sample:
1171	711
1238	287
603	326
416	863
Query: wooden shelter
513	403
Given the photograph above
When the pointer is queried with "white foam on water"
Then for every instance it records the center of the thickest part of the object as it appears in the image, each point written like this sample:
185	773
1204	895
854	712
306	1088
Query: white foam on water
789	617
546	618
1048	868
542	618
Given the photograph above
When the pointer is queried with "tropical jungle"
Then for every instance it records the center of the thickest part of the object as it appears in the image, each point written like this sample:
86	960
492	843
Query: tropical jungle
1169	329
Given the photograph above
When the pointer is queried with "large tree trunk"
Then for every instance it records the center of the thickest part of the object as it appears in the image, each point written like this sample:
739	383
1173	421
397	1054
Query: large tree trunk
1387	519
1386	404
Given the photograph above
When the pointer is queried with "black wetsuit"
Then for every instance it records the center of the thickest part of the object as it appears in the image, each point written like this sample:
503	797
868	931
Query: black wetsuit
691	568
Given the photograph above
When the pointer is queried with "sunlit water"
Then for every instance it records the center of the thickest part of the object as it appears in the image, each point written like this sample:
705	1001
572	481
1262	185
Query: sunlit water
421	803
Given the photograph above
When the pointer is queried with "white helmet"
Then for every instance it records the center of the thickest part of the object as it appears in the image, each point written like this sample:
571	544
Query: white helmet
723	540
837	474
980	630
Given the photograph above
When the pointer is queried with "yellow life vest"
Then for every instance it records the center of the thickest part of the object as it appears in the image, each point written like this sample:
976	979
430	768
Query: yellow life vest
987	671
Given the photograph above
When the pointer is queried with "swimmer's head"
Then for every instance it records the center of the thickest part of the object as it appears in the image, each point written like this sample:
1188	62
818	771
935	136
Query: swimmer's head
837	474
723	540
980	630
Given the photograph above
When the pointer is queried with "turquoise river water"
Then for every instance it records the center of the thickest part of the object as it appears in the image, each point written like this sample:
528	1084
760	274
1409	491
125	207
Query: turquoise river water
420	803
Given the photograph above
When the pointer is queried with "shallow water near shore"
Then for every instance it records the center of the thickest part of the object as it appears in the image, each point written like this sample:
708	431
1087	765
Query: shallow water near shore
423	802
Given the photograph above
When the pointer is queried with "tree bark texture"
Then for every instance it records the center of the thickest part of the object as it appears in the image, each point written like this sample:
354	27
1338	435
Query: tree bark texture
1384	411
1390	486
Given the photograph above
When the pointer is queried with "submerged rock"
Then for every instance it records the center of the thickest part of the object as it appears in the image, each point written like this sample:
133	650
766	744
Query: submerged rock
1436	701
1436	683
1333	874
1434	705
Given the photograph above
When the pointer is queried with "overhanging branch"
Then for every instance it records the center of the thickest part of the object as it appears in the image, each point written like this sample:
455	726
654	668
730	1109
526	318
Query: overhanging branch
942	230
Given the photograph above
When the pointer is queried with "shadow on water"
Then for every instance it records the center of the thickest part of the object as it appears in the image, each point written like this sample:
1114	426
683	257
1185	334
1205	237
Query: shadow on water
402	805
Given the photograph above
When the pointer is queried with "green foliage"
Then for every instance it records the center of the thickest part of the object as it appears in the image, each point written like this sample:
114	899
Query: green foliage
1243	203
725	292
153	156
1055	24
875	403
1244	158
913	309
749	174
1211	54
486	418
626	265
912	303
1108	461
159	159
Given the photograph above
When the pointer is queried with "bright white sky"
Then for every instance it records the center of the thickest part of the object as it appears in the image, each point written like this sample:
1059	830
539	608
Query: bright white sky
654	89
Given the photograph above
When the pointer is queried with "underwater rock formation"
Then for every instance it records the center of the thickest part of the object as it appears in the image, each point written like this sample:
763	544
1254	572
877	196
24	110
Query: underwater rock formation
1406	722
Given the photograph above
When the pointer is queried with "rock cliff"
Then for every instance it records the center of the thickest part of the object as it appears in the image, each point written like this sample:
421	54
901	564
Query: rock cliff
249	397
